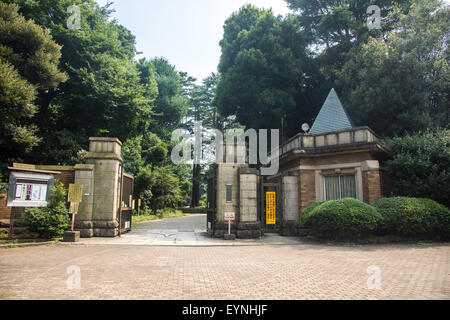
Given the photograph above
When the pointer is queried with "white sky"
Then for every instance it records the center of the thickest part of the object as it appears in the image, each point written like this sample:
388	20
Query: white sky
186	32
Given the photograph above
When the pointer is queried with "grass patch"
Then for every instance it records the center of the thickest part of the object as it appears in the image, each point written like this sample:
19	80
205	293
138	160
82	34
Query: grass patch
163	214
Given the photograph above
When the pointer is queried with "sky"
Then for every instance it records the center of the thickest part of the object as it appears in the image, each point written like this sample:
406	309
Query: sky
186	32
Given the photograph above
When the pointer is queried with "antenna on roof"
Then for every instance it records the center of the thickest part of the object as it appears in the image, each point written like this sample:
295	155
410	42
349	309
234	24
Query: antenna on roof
305	127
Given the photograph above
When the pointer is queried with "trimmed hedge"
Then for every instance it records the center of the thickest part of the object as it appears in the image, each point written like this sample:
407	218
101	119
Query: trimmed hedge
307	213
414	217
341	219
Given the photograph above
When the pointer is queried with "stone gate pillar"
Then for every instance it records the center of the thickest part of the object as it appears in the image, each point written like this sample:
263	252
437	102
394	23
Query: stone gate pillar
84	174
248	225
291	215
101	179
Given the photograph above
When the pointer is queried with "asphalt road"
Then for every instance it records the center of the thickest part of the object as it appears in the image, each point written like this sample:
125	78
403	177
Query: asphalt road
185	224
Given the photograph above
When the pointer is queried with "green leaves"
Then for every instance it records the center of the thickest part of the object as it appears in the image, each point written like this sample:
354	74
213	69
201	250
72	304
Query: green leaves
29	61
53	220
262	61
419	165
341	219
414	217
400	83
158	187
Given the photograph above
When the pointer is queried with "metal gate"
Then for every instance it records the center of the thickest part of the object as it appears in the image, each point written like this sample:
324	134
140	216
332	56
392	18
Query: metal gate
211	205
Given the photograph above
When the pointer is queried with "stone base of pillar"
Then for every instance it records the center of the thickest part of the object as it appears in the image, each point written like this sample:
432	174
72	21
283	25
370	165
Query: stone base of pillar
86	228
89	229
249	230
289	228
221	229
106	229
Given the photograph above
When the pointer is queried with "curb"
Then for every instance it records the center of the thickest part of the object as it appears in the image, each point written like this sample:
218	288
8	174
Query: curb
29	244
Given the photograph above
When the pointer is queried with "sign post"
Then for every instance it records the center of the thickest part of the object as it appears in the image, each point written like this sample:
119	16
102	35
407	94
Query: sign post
229	216
74	196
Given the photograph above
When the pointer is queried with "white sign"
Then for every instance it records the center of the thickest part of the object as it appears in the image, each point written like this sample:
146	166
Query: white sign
230	216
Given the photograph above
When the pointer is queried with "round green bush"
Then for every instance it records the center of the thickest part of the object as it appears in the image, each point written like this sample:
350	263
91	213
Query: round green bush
307	213
342	219
414	217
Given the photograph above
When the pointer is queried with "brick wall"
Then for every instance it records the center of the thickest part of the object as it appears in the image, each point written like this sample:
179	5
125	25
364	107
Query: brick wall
371	186
307	189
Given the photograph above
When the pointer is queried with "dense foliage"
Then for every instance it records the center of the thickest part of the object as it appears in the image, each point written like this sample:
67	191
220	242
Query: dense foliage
98	90
263	58
394	79
29	61
420	165
53	220
342	219
401	83
414	217
158	188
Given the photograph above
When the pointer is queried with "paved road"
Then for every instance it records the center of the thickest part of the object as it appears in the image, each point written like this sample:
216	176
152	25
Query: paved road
185	231
189	223
304	271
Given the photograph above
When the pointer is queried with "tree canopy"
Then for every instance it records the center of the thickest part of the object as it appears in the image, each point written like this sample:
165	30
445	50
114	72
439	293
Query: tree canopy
29	61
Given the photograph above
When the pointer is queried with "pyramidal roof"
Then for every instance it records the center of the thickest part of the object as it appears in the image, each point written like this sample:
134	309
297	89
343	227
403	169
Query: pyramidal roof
332	116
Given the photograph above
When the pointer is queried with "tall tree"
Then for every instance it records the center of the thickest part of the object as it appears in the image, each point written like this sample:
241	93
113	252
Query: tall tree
262	67
104	95
336	26
402	83
171	105
29	61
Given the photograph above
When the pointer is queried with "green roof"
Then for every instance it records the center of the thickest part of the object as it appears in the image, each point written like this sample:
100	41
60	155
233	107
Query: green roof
332	116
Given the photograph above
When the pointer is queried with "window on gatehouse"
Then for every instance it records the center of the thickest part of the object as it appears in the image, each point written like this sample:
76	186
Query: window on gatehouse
340	187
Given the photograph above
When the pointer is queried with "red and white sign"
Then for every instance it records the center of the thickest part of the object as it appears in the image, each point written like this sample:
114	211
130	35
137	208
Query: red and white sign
230	216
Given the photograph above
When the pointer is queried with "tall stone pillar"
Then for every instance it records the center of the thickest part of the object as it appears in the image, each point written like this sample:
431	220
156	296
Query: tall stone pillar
104	154
291	215
248	225
84	174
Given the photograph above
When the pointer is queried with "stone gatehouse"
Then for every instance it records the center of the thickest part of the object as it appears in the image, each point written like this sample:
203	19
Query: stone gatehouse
334	160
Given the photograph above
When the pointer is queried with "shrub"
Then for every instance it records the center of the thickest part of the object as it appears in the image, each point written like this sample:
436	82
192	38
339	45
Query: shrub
342	219
307	213
53	220
414	217
420	165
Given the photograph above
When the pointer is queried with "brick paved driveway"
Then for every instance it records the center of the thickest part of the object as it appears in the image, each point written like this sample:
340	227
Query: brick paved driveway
302	271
